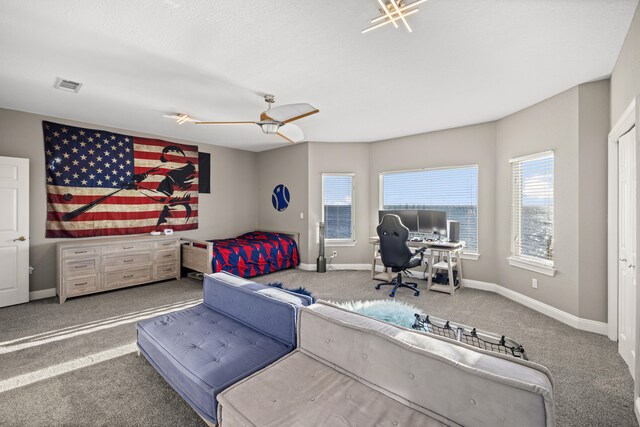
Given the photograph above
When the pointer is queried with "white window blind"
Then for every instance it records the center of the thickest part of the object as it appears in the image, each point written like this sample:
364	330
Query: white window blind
453	190
532	207
337	208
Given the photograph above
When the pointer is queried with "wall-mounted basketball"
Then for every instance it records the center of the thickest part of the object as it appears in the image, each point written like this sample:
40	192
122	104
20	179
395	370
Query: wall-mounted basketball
280	197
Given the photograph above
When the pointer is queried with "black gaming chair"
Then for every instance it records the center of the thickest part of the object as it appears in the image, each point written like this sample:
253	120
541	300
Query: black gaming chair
395	252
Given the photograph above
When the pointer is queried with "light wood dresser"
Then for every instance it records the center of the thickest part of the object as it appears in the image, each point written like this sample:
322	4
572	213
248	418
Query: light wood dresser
89	266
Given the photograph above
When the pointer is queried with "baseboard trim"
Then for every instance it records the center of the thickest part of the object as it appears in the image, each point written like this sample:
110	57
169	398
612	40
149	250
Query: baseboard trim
307	267
43	293
562	316
359	267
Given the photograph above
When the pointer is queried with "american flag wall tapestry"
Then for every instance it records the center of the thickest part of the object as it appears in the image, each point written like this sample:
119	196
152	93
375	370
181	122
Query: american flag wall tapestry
103	183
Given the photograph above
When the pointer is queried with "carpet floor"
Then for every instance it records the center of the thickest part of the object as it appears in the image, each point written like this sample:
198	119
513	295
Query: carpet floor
75	364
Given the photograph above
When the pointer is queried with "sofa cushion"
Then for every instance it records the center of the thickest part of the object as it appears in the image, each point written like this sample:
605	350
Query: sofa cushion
200	352
300	391
274	314
440	378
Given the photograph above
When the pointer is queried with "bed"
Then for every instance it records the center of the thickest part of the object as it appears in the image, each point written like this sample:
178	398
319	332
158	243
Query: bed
248	255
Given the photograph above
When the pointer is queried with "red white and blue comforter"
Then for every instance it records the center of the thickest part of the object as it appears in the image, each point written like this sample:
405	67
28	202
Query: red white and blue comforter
255	253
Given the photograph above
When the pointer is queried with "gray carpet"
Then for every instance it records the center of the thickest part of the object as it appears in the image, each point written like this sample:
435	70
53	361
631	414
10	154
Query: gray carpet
73	364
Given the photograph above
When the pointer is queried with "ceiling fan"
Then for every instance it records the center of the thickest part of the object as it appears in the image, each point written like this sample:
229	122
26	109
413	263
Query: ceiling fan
277	120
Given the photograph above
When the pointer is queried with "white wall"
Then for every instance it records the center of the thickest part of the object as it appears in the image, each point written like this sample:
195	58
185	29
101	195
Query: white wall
229	210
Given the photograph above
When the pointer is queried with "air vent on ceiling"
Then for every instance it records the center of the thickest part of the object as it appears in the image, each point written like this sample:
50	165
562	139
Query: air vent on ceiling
68	85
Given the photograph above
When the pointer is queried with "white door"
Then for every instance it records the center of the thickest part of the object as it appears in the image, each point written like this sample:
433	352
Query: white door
627	249
14	231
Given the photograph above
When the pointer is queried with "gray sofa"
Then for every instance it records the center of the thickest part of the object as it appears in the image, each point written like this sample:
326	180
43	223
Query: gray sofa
351	370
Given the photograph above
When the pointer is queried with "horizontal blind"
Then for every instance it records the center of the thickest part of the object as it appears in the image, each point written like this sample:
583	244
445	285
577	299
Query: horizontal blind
337	195
532	206
453	190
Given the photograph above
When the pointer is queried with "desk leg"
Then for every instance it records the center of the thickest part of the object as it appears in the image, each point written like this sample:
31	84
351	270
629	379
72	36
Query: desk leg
452	282
373	262
430	274
459	263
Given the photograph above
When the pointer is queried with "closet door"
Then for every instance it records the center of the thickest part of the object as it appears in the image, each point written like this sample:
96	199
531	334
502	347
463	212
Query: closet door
627	249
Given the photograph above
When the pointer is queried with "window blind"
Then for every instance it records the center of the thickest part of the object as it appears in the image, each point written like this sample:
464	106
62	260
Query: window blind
337	197
532	207
453	190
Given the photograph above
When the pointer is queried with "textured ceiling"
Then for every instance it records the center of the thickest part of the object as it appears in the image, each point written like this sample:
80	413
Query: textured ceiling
466	62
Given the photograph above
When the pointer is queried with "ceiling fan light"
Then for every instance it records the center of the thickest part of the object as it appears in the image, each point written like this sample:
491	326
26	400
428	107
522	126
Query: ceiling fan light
269	127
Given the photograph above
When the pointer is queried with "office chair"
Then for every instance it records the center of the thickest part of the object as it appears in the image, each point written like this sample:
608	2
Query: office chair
395	252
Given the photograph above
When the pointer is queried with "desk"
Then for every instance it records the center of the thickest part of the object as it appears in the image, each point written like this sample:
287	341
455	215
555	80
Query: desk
449	251
453	261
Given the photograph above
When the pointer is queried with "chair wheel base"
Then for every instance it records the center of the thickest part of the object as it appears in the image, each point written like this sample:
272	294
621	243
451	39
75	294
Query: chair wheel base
377	287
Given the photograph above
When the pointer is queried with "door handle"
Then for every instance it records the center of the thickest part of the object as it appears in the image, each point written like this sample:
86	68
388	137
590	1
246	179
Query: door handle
632	266
20	239
623	259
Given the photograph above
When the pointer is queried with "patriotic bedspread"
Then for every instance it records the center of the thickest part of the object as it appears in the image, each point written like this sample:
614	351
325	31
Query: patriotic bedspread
255	253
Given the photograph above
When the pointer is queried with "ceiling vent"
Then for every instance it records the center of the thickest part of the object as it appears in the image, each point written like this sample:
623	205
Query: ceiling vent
68	85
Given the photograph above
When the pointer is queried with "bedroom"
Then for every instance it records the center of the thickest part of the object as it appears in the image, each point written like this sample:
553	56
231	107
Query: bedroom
473	84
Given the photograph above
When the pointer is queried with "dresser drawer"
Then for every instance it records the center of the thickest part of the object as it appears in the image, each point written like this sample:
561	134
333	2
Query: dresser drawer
116	279
80	285
80	267
80	252
120	261
166	255
127	247
167	244
166	271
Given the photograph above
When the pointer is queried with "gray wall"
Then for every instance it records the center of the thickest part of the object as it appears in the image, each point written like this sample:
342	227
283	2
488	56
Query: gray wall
625	78
593	130
229	210
574	124
454	147
625	86
289	166
346	158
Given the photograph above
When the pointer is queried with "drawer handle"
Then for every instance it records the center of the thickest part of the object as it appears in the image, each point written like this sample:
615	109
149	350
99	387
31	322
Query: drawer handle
167	256
129	276
127	260
80	284
80	252
80	266
127	247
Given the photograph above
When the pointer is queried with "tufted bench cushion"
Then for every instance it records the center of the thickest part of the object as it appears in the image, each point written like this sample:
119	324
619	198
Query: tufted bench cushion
202	350
298	390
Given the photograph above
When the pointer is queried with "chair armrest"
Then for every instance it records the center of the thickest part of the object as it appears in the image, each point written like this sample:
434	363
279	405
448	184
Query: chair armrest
420	250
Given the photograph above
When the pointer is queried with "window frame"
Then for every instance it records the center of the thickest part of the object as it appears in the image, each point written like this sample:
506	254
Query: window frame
352	239
466	253
538	265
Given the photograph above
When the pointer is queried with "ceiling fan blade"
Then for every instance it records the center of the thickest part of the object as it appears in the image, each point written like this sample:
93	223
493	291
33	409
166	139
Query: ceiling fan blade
180	118
289	112
291	133
225	123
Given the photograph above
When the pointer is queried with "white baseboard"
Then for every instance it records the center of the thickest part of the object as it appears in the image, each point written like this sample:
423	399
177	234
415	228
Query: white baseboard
44	293
562	316
360	267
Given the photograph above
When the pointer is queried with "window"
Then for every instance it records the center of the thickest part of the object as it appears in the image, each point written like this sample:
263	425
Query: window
532	209
337	205
453	190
